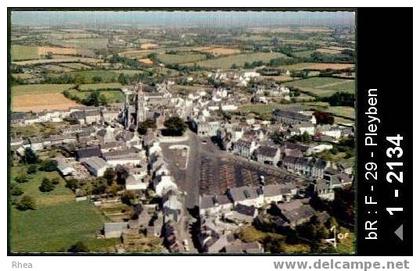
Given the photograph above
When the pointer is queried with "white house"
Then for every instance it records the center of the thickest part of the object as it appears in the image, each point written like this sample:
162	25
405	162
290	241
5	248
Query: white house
64	168
132	183
332	131
123	157
214	204
268	155
96	165
229	107
163	184
246	195
244	148
318	148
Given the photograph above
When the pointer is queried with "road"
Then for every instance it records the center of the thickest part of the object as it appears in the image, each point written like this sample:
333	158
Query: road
188	180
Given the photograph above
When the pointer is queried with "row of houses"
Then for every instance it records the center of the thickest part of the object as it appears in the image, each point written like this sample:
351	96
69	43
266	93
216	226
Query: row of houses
246	196
82	114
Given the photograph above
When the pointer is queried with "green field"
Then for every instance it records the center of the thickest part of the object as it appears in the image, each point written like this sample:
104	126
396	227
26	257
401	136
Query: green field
84	43
22	76
106	75
180	58
58	221
265	110
20	52
99	86
323	86
59	195
61	59
76	66
39	89
227	61
306	53
54	228
113	96
110	90
343	111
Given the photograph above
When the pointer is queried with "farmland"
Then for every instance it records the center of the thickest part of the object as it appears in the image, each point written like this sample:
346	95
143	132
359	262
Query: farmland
265	110
20	52
59	220
318	66
239	60
48	96
23	90
180	58
136	53
99	86
113	96
218	51
58	60
323	86
46	101
87	43
58	226
104	75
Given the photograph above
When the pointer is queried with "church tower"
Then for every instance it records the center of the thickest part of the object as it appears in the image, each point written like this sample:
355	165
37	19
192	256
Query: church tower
141	105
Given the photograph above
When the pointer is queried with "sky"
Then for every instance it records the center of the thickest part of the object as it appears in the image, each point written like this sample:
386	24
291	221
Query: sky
182	18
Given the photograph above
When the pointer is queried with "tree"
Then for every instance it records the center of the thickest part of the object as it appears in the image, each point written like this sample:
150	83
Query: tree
277	137
323	117
122	174
55	180
96	79
26	203
110	175
48	165
99	186
22	178
128	198
78	247
31	169
72	184
16	191
143	126
103	100
46	185
95	98
306	137
79	79
49	55
175	126
122	79
30	156
113	188
341	99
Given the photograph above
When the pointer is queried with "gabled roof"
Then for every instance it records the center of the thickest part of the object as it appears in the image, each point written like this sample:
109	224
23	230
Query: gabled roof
88	152
78	114
243	143
291	115
267	151
296	210
243	193
245	210
95	163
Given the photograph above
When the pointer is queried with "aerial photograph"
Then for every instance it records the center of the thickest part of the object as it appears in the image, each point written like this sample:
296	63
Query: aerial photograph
159	132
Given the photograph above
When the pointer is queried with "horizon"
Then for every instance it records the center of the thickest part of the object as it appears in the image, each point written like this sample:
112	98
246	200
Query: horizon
178	18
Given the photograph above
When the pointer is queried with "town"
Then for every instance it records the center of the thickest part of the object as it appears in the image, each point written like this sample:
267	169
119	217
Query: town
180	158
